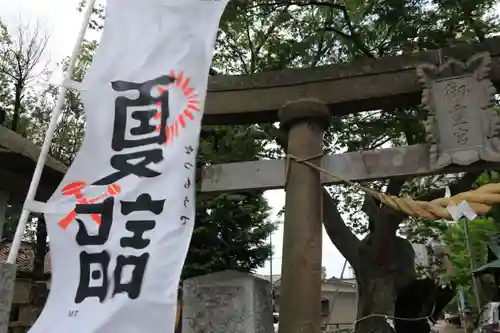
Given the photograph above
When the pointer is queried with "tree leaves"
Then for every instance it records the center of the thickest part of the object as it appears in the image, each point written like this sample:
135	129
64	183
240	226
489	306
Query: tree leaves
481	230
233	227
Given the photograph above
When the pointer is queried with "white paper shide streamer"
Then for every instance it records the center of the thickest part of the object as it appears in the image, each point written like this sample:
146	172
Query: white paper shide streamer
120	222
463	209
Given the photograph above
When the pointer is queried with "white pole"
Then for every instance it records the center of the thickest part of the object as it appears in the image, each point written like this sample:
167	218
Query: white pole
16	243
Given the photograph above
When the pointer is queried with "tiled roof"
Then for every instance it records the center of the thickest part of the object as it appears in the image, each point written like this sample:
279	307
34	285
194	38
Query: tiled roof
25	258
275	278
349	281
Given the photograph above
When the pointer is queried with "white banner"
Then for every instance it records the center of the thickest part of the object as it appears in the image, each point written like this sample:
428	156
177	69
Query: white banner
120	223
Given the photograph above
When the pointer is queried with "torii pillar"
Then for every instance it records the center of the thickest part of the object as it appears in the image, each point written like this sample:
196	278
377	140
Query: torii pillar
305	120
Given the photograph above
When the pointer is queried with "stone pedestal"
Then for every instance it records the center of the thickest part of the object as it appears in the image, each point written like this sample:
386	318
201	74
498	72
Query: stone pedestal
7	281
27	303
227	302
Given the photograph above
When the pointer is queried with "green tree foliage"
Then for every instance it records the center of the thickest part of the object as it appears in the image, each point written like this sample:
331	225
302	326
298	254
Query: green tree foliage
481	230
69	132
21	66
231	230
5	93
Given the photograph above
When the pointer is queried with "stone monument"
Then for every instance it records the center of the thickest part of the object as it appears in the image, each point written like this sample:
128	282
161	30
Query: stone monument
462	126
227	302
7	281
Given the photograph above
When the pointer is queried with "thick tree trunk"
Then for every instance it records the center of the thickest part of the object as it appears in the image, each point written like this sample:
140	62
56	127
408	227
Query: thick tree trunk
386	270
376	297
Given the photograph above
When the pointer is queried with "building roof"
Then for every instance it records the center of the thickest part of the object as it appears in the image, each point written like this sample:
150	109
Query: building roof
18	157
275	278
350	281
11	142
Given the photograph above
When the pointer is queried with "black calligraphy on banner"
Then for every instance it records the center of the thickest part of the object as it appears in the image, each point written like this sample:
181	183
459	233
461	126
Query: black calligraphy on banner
105	211
146	108
187	183
184	219
94	266
122	104
137	150
125	167
138	227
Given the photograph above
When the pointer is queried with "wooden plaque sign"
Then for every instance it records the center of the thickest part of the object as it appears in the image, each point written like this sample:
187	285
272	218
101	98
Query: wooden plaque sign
462	126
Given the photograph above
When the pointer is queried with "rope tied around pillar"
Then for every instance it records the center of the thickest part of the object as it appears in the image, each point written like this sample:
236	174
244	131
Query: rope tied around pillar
299	160
480	199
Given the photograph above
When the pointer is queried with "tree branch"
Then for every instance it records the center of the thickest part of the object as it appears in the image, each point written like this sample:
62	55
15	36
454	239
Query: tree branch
379	213
269	31
395	185
253	56
322	48
473	23
354	39
353	36
379	144
461	185
305	3
237	52
341	236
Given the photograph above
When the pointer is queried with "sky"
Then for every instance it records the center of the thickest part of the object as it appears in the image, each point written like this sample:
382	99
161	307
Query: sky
62	21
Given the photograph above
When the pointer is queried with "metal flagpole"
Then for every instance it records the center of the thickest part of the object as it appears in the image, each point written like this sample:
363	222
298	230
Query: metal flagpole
16	243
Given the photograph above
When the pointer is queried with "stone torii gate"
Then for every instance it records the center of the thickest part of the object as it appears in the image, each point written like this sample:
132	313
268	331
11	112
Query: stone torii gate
463	136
